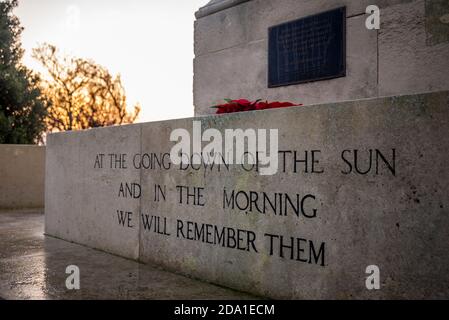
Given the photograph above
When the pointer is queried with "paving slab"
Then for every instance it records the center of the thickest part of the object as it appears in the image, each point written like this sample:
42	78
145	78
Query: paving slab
32	266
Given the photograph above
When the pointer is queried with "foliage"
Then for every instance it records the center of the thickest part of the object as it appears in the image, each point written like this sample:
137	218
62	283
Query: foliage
83	94
22	109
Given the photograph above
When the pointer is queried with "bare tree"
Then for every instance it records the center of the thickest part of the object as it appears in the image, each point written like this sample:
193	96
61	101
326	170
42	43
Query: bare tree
83	94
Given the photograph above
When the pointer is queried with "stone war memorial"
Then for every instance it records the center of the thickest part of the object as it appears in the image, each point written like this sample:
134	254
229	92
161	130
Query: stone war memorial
346	196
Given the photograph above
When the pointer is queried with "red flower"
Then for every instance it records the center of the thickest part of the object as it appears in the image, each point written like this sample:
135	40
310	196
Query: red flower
242	102
273	105
261	105
246	105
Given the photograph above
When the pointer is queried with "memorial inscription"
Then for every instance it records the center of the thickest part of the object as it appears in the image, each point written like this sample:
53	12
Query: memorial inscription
249	204
307	49
347	194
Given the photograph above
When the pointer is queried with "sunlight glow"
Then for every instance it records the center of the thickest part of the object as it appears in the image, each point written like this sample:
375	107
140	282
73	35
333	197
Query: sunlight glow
149	42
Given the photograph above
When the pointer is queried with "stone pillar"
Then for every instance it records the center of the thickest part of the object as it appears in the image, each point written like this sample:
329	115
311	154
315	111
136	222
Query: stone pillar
409	54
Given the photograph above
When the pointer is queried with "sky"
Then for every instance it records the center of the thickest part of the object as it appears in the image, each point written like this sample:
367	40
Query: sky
148	42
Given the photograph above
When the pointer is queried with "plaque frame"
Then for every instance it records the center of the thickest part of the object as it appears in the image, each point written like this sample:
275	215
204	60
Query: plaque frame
342	61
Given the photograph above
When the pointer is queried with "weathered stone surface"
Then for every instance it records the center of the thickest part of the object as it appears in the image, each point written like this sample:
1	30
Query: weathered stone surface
437	21
264	14
395	216
247	21
214	6
406	63
241	71
22	173
409	54
81	202
220	31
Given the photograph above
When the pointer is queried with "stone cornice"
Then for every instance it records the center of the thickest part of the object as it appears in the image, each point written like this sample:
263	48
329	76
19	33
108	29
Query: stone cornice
216	6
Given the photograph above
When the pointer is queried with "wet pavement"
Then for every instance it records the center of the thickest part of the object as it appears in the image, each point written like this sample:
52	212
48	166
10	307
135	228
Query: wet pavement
32	266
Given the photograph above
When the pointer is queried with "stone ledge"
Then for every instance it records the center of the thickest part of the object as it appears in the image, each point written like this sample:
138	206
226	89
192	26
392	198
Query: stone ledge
216	6
354	217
